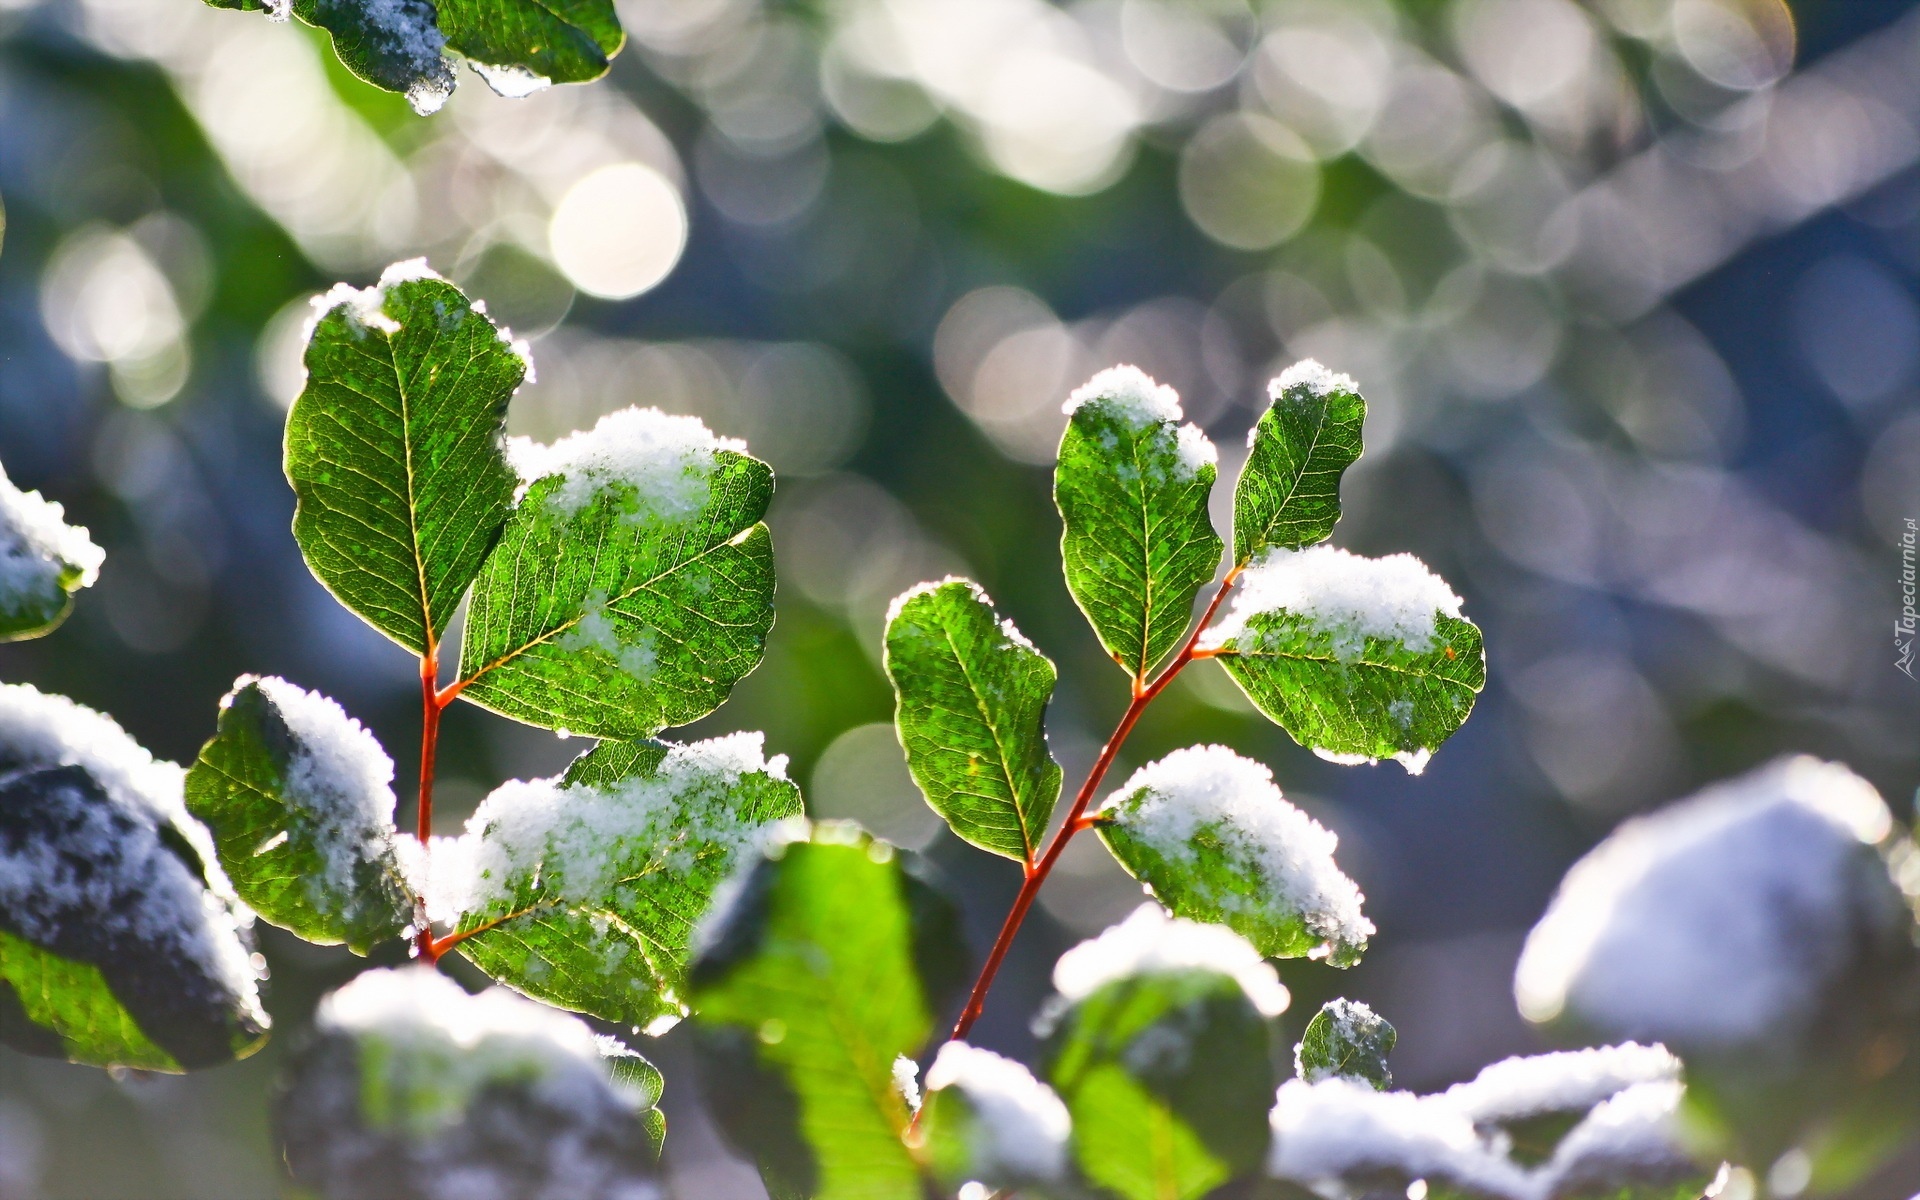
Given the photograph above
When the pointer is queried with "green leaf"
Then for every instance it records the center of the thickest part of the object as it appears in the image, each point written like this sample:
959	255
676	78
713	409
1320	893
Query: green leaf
1289	491
297	797
632	586
988	1120
520	45
972	696
1346	1039
1358	658
1212	838
114	953
583	891
395	450
1167	1074
43	562
517	46
829	966
414	1090
1132	486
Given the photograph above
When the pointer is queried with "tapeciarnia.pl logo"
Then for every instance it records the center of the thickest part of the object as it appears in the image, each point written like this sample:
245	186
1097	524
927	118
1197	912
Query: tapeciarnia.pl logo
1903	626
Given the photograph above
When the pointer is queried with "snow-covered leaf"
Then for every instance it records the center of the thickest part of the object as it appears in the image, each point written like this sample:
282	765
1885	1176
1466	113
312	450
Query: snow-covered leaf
633	584
1533	1101
1348	1040
1162	1052
415	1090
829	966
1136	542
1289	491
988	1120
298	798
1341	1133
114	949
1210	835
395	449
972	697
43	561
1757	930
584	891
1358	658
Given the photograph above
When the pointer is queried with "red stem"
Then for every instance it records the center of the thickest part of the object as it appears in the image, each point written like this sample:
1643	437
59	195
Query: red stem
430	708
1143	694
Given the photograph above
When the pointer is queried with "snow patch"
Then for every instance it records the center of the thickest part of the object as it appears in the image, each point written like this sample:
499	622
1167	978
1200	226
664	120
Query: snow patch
1634	1135
1335	1128
1346	597
1232	801
1021	1125
339	777
1308	378
1150	941
40	554
574	839
1568	1081
1721	922
667	460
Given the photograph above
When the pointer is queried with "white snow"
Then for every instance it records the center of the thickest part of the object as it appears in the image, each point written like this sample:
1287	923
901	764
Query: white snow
438	1038
1130	394
1211	791
575	839
1337	1127
1722	921
906	1080
1634	1135
1346	597
339	778
1008	629
667	460
1565	1081
1308	378
37	547
1150	941
1021	1125
43	884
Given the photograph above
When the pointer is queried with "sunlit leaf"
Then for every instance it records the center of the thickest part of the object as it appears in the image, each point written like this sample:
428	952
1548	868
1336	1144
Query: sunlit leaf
632	586
1347	1039
1289	490
583	891
1132	486
830	966
1359	659
43	561
395	450
971	700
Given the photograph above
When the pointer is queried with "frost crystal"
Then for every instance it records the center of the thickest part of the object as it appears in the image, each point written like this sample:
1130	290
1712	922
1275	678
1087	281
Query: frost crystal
1130	394
1150	941
41	556
339	777
1210	795
1569	1081
668	461
1722	922
128	881
1344	596
574	839
1021	1125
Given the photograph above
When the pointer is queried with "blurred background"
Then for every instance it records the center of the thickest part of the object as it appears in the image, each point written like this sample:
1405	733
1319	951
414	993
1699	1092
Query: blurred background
1632	286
